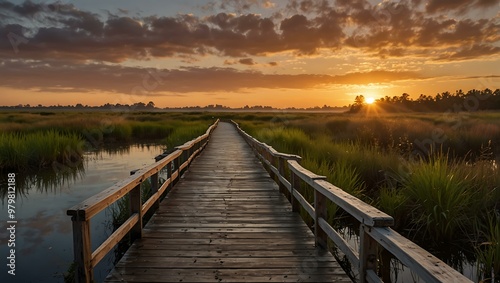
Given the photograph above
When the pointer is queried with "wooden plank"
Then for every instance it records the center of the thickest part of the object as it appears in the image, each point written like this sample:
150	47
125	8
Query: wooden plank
306	175
342	244
226	275
372	277
217	235
114	239
214	239
305	204
360	210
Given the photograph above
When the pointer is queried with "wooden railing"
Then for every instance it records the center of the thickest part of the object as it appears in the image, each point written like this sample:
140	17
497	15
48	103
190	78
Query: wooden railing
81	214
374	227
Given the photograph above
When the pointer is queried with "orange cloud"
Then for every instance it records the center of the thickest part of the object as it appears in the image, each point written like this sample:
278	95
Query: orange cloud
59	77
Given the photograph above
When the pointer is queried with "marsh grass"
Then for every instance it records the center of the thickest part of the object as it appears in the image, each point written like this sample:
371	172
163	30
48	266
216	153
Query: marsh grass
394	202
19	151
185	132
488	251
444	196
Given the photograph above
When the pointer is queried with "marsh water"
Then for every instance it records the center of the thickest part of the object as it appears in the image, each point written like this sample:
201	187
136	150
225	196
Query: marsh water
44	236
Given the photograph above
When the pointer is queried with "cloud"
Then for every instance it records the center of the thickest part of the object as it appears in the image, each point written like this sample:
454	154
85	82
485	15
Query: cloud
461	6
247	61
470	52
57	76
64	32
238	6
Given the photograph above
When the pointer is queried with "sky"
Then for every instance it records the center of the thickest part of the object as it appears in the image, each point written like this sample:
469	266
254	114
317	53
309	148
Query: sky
280	53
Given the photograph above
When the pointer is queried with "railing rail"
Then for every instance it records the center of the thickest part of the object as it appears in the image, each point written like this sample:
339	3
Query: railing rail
375	231
81	214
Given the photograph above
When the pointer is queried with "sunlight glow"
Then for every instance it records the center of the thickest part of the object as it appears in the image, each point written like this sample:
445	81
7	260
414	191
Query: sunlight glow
370	100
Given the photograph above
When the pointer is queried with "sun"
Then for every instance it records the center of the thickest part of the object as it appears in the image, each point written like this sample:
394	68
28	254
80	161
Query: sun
370	100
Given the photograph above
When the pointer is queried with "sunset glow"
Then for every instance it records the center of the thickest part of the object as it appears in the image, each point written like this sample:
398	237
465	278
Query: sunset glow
370	100
281	53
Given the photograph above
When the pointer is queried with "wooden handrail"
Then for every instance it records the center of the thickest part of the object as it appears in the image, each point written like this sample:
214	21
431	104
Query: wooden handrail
82	213
374	225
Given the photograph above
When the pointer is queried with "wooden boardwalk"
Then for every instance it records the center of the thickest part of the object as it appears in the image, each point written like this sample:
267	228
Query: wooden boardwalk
225	221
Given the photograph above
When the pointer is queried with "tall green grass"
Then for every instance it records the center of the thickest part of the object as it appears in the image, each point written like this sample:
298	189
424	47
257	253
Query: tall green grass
444	195
185	132
20	151
488	250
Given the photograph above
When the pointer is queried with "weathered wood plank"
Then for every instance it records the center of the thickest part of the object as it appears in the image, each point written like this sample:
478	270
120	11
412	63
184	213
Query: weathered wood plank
227	275
114	239
360	210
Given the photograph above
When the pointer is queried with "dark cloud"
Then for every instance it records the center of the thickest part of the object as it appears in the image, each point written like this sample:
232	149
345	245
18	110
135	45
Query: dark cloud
247	61
470	52
62	31
273	64
395	29
236	6
461	6
56	76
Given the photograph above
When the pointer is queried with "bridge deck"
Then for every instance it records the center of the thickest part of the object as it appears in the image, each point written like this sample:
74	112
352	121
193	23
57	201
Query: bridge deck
225	221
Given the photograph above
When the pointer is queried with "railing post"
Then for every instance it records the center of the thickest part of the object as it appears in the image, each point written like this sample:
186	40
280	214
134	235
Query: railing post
367	253
281	169
169	176
177	166
295	181
270	158
154	190
82	249
320	209
136	207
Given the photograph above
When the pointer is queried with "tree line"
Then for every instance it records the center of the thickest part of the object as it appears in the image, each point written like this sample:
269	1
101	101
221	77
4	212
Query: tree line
473	100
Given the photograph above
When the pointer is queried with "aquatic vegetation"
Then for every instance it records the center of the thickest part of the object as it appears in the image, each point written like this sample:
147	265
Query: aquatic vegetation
488	250
20	151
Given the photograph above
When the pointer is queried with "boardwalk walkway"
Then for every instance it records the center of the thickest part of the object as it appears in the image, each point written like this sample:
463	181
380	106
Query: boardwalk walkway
225	221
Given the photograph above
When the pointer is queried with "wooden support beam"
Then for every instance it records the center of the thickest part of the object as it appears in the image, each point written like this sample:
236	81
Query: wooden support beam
367	253
136	207
320	209
82	250
295	187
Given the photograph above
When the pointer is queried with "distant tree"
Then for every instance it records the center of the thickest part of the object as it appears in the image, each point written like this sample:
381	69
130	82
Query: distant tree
359	102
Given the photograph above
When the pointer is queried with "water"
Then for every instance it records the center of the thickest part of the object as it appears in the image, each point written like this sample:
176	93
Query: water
44	237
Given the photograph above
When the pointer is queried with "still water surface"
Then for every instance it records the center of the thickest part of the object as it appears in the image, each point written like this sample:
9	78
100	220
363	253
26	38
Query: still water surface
44	248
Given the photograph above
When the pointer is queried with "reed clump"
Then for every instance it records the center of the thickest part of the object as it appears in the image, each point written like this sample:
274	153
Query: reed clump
22	151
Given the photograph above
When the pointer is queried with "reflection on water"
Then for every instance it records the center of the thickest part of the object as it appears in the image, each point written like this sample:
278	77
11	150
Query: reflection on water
46	180
44	239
